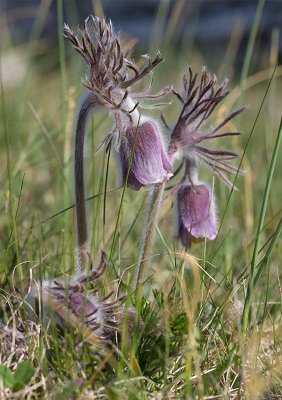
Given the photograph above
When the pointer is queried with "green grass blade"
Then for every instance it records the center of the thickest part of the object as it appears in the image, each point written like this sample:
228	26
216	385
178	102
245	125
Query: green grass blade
266	258
248	300
251	43
105	191
211	256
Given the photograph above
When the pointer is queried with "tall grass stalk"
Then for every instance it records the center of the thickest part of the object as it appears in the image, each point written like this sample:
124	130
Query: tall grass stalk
250	46
64	179
251	280
12	211
212	253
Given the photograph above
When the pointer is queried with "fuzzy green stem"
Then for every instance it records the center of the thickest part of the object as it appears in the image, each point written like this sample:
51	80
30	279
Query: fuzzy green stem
79	186
155	201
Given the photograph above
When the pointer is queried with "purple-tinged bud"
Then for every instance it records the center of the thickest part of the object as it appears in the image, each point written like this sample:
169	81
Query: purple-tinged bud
95	317
196	214
143	151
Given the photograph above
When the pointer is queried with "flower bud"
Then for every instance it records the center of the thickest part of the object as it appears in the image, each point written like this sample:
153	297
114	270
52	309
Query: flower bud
70	304
143	152
196	214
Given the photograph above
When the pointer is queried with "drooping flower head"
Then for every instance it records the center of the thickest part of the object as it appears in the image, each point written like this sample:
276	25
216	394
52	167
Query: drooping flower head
199	100
195	202
196	213
142	157
110	78
95	317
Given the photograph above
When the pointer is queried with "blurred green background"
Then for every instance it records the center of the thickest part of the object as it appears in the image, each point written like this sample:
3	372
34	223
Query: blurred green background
41	81
41	91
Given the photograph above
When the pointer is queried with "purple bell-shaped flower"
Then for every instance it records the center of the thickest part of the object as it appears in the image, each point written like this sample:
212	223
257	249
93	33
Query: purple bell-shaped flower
196	214
142	155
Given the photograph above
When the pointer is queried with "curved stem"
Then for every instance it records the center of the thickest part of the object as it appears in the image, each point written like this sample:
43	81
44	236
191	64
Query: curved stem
155	202
80	208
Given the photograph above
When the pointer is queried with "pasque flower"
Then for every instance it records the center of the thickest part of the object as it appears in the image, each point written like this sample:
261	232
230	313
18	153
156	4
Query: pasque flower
142	156
198	103
195	201
110	78
72	304
196	213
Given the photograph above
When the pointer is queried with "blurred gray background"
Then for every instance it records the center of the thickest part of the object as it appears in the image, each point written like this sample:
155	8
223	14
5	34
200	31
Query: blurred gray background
208	24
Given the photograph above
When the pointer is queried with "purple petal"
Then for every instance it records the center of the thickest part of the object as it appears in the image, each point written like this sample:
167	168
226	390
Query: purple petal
184	235
132	182
197	219
81	305
150	163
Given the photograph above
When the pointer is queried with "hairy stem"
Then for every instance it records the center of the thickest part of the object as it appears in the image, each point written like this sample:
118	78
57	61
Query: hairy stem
80	208
155	201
